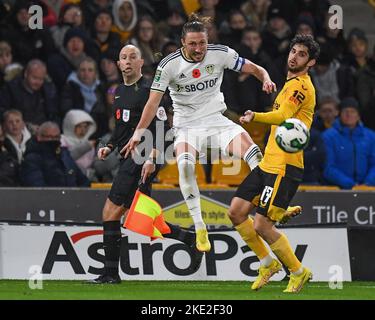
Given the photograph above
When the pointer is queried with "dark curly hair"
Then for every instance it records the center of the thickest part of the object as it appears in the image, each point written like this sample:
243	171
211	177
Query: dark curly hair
308	41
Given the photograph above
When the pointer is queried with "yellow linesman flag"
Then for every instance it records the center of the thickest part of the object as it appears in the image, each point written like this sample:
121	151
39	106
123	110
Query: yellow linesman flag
145	216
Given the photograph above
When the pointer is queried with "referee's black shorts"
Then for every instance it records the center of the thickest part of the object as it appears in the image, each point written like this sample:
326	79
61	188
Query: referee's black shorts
126	183
270	193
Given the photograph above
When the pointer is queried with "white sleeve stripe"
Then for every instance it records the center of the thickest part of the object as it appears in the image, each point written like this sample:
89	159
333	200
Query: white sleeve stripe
217	46
216	49
164	62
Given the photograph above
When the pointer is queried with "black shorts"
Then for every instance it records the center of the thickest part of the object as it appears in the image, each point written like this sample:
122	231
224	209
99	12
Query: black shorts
270	193
127	181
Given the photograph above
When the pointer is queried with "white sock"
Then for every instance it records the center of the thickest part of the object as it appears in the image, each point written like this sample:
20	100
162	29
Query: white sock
298	272
198	222
253	156
189	188
266	261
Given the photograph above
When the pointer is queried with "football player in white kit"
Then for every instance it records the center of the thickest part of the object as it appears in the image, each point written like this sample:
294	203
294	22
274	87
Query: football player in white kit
193	75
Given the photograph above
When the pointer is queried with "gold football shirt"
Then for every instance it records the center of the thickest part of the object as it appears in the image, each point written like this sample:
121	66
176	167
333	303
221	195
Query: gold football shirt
295	100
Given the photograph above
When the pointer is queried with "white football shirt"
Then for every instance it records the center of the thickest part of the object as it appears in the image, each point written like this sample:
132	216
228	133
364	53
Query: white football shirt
195	86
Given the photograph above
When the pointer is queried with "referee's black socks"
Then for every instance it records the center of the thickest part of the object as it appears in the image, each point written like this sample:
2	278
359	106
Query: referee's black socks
112	244
180	234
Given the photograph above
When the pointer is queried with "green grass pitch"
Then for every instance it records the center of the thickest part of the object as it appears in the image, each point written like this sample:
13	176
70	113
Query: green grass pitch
181	290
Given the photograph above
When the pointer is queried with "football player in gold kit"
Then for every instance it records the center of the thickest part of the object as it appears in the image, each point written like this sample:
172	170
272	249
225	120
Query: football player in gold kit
271	186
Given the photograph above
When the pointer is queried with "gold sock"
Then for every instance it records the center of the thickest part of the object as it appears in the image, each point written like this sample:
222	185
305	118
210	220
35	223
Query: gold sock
252	239
282	249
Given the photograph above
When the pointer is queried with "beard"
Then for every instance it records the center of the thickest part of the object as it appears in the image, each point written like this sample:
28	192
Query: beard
197	58
296	69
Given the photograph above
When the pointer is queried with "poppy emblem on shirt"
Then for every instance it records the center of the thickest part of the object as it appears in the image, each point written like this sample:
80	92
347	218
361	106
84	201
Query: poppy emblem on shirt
125	115
196	73
118	114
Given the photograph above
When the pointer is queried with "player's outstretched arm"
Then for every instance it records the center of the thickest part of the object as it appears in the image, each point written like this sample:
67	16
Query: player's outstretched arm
260	73
275	117
148	114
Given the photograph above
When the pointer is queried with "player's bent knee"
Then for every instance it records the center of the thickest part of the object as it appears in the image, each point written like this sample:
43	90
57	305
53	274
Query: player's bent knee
232	214
186	169
186	164
239	210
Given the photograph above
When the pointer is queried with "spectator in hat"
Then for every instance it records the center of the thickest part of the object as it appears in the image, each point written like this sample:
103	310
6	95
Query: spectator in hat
277	36
78	128
315	9
104	40
305	25
350	149
70	16
62	64
90	8
125	18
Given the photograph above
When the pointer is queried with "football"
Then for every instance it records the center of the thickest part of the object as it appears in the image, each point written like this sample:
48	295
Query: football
292	135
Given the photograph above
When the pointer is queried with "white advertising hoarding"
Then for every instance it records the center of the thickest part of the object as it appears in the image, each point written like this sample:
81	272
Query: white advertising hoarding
76	253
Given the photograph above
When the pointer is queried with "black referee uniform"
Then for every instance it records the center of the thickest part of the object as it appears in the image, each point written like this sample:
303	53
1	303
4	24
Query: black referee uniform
127	110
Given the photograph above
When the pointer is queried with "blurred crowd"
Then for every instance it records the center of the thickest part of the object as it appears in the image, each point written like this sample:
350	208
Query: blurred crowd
57	83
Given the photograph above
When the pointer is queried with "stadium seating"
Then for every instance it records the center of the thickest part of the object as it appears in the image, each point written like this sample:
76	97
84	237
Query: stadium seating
256	130
169	174
364	187
303	187
226	172
100	185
